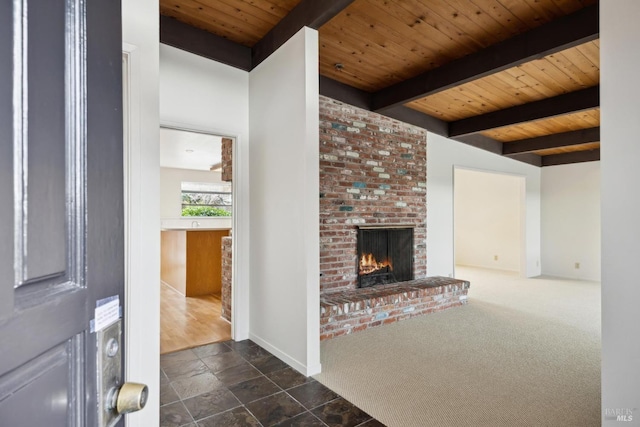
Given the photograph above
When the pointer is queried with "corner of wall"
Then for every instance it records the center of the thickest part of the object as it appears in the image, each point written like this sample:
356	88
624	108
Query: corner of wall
285	302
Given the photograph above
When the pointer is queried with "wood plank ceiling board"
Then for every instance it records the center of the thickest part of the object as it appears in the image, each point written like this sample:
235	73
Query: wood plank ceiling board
241	21
465	65
565	123
556	74
544	10
556	140
381	43
385	42
373	33
570	149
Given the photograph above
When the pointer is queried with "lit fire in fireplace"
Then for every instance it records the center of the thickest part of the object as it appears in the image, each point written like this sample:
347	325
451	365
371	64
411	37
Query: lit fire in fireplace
369	264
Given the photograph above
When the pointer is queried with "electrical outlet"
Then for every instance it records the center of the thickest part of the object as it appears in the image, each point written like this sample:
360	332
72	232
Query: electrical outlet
495	257
577	265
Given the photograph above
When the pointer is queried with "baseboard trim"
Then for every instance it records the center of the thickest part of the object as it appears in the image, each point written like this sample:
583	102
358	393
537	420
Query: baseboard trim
294	363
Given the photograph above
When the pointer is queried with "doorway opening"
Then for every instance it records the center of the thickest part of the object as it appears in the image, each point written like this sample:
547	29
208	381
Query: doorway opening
489	220
196	207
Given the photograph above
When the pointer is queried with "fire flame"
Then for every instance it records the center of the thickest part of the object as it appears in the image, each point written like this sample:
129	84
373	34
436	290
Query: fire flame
369	264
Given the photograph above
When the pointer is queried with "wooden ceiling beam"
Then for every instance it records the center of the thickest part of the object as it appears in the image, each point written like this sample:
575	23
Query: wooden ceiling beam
359	98
560	34
574	157
530	158
573	102
564	139
416	118
344	93
308	13
314	14
203	43
481	141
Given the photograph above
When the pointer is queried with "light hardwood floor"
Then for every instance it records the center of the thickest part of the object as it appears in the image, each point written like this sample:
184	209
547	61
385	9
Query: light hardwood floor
189	322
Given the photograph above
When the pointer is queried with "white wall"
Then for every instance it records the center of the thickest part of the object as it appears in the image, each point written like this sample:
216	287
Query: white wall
171	187
142	300
199	94
443	155
571	220
620	151
284	117
488	222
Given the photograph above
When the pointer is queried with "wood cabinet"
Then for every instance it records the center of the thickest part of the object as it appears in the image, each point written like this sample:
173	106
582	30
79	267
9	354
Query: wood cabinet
192	260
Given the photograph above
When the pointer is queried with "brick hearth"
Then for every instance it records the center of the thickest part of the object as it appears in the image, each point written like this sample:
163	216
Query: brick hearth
355	310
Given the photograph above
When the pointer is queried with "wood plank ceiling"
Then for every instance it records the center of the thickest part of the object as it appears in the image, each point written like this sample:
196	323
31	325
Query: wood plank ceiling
519	78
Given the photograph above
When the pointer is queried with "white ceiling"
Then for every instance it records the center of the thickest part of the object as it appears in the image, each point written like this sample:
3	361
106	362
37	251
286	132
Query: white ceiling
189	150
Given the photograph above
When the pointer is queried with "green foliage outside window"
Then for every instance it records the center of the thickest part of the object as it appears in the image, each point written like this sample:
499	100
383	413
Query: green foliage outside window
206	200
204	211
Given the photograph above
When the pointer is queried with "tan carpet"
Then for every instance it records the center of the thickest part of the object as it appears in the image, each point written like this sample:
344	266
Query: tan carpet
530	357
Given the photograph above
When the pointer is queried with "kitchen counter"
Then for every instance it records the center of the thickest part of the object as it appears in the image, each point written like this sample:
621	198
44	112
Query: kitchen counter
195	223
191	260
194	229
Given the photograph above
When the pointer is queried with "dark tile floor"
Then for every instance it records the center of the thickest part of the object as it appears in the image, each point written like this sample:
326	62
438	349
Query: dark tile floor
240	384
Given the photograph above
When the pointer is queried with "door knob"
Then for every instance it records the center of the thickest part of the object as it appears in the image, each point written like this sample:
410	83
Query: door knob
129	397
115	397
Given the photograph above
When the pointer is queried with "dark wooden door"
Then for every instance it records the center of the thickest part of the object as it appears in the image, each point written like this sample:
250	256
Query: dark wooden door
61	205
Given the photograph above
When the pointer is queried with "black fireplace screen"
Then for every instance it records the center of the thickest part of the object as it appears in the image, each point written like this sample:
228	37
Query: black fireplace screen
385	255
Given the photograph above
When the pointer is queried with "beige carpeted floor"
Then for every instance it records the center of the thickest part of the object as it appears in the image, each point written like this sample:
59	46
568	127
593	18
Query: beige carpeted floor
521	353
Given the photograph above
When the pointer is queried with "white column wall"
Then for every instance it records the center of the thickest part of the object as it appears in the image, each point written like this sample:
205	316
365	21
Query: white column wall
443	155
140	30
200	94
284	126
571	221
620	152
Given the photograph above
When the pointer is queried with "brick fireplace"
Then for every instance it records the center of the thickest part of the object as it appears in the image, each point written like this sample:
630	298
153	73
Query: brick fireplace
373	173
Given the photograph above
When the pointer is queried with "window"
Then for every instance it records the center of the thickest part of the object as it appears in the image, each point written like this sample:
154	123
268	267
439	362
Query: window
206	199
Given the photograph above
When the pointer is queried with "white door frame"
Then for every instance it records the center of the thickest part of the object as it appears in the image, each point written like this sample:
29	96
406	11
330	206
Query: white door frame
142	249
142	241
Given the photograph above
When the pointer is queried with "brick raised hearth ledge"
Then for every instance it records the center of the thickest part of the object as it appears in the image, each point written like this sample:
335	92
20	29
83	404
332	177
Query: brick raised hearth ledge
355	310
